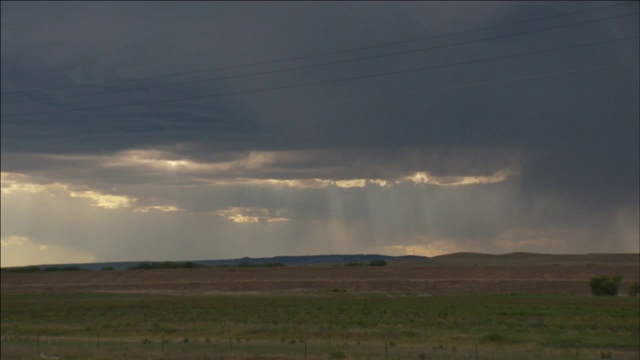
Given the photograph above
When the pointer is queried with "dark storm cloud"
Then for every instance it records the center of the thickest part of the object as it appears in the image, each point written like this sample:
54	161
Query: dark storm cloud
571	137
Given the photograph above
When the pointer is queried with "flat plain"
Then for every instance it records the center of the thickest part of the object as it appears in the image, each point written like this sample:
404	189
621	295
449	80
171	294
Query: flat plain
458	307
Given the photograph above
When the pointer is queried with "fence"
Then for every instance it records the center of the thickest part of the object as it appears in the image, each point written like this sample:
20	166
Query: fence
184	348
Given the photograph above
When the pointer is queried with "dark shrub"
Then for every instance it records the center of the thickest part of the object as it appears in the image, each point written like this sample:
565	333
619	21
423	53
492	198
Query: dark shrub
605	285
353	263
378	263
21	269
167	265
62	268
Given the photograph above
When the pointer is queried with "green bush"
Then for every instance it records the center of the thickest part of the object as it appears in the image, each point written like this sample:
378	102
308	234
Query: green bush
21	269
605	285
62	268
634	289
492	338
410	333
353	263
378	263
167	265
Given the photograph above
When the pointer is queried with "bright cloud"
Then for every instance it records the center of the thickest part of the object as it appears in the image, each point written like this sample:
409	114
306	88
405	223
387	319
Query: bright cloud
15	241
258	168
104	201
417	178
244	215
432	248
425	178
13	182
161	208
21	251
158	160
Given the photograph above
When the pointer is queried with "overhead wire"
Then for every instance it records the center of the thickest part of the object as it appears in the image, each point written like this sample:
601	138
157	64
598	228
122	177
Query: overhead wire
498	81
488	82
354	78
335	52
304	67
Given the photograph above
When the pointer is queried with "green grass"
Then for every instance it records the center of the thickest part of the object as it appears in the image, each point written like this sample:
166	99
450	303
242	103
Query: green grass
284	321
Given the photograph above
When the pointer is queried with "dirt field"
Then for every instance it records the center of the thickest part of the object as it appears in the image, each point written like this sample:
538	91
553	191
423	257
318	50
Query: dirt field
433	280
320	312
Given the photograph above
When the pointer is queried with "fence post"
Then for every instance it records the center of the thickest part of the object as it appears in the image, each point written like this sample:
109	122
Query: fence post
386	350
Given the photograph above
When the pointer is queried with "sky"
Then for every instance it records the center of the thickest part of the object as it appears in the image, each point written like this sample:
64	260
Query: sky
212	130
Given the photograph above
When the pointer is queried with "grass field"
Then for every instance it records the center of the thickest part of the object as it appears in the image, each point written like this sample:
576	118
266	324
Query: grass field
319	325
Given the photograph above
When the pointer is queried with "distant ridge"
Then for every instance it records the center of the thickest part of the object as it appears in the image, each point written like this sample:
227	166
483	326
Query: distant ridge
285	260
454	259
525	258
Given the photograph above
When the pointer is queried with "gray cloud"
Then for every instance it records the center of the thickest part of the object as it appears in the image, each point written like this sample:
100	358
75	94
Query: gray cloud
569	141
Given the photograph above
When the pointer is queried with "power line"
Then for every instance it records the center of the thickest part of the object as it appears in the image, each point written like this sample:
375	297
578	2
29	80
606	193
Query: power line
490	82
267	62
326	81
322	64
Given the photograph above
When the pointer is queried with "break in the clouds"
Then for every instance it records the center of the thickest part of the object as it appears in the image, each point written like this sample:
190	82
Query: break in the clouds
355	127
